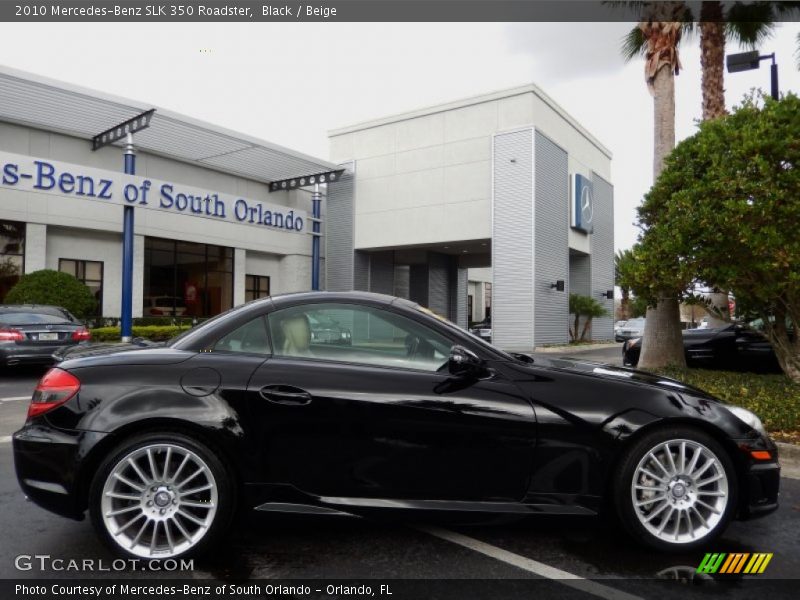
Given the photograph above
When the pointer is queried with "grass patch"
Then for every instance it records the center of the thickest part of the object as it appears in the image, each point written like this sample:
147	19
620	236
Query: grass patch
774	398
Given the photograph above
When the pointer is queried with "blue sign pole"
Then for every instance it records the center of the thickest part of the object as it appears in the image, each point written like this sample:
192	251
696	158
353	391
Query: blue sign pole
316	201
126	320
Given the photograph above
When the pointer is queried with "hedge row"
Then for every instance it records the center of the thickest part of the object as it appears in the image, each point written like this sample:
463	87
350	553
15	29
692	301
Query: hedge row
157	333
774	398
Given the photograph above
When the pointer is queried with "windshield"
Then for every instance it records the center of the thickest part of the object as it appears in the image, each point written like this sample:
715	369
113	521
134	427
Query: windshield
30	318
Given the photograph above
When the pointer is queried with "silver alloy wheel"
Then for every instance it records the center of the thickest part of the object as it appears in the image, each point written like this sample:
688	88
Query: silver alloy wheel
679	491
159	500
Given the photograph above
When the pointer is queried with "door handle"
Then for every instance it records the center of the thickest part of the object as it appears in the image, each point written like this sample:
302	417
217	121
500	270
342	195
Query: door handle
285	394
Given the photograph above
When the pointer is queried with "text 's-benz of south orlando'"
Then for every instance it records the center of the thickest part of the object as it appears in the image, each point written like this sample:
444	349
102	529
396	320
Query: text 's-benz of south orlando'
387	408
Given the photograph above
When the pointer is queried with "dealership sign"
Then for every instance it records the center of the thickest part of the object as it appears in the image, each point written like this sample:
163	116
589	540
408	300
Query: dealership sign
583	204
44	176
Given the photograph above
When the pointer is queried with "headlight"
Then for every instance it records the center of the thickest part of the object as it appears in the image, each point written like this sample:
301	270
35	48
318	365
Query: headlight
748	418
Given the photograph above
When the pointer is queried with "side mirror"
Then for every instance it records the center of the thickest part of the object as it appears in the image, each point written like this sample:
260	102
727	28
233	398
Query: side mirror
465	363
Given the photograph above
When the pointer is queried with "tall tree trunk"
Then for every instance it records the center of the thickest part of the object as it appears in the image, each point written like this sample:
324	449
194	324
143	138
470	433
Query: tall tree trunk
712	63
662	343
712	59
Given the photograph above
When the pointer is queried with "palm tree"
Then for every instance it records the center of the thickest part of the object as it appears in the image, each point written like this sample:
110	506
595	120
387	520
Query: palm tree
624	263
660	35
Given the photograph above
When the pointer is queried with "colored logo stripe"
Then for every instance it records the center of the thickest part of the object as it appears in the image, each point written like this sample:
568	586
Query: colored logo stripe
720	562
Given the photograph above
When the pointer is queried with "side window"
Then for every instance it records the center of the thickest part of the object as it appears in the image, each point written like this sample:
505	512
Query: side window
357	334
250	337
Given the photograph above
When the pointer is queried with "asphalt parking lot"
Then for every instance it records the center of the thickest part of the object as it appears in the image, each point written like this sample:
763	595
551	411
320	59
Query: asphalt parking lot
583	556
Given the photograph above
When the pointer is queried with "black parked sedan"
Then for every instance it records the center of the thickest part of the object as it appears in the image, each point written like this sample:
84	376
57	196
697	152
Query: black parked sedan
31	333
733	347
163	444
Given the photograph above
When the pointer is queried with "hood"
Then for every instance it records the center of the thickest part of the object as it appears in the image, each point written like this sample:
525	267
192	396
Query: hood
619	374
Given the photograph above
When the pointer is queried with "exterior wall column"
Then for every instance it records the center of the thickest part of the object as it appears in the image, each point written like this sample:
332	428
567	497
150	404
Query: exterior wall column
35	247
239	268
603	255
138	275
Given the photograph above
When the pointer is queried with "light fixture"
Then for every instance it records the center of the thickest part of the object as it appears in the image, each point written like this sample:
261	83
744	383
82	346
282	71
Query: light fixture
558	285
746	61
609	294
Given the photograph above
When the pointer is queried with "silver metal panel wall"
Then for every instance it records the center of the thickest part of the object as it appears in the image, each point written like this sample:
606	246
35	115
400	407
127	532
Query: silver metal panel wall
439	266
551	255
580	274
512	240
458	295
603	255
338	229
381	272
360	271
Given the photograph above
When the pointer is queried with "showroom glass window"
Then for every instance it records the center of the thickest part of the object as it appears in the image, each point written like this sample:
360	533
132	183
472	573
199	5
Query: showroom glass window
184	279
89	273
255	287
488	300
356	334
12	254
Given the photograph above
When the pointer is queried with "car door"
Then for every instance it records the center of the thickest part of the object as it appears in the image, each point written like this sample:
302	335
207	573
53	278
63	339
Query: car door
374	413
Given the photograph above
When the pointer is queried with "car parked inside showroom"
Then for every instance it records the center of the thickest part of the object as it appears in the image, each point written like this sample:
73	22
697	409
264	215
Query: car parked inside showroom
483	329
734	347
163	445
31	333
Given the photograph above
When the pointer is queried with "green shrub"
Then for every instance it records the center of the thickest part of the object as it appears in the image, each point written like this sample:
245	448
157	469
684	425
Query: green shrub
55	288
774	398
157	333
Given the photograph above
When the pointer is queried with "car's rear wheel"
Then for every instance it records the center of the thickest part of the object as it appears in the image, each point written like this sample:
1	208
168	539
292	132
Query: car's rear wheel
161	495
676	489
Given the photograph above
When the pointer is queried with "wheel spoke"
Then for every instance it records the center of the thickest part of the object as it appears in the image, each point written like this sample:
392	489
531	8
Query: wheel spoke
128	482
152	463
646	502
705	482
703	469
665	520
192	476
715	493
141	531
180	467
693	462
683	457
660	465
708	506
122	511
193	504
120	496
180	527
671	460
653	475
138	471
154	538
656	512
191	518
129	523
166	464
699	516
689	522
202	488
648	488
170	542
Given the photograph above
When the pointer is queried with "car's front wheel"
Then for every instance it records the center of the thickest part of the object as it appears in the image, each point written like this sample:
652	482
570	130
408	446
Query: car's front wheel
161	495
676	489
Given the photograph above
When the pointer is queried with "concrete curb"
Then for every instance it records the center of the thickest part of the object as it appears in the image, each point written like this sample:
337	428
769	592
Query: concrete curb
789	455
575	348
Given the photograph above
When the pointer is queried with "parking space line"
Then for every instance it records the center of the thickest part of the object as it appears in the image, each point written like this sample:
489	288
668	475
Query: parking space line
530	565
14	398
5	439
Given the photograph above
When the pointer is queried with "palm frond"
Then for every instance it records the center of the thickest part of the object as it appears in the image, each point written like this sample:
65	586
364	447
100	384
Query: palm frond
633	44
751	23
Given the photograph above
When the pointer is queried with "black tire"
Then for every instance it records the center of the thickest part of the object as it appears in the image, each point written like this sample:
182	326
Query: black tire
225	491
623	482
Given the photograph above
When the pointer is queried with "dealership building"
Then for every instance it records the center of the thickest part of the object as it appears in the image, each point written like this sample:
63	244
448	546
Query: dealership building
498	204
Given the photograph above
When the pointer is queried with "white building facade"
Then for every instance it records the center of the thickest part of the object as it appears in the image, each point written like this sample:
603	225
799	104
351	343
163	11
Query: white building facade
507	185
208	232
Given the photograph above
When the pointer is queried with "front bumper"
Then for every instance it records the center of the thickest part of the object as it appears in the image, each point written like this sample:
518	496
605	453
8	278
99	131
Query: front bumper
47	463
760	485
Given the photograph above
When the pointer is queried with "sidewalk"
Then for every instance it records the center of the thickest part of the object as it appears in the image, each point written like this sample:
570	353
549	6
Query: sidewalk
572	348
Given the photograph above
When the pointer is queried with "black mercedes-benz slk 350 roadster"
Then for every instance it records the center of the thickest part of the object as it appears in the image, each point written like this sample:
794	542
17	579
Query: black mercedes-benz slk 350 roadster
254	409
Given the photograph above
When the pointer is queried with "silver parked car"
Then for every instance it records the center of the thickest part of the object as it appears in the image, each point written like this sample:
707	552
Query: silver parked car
633	328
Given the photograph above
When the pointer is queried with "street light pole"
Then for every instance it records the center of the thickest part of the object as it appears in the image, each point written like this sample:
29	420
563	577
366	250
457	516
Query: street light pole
126	319
746	61
773	71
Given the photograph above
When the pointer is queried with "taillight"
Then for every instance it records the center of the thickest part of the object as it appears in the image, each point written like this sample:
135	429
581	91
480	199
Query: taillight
156	311
11	335
54	389
81	335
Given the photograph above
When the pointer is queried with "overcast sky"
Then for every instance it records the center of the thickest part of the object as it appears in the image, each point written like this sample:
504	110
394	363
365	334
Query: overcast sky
291	83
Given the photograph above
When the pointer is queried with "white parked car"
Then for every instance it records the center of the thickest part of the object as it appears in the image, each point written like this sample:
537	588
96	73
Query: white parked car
633	328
